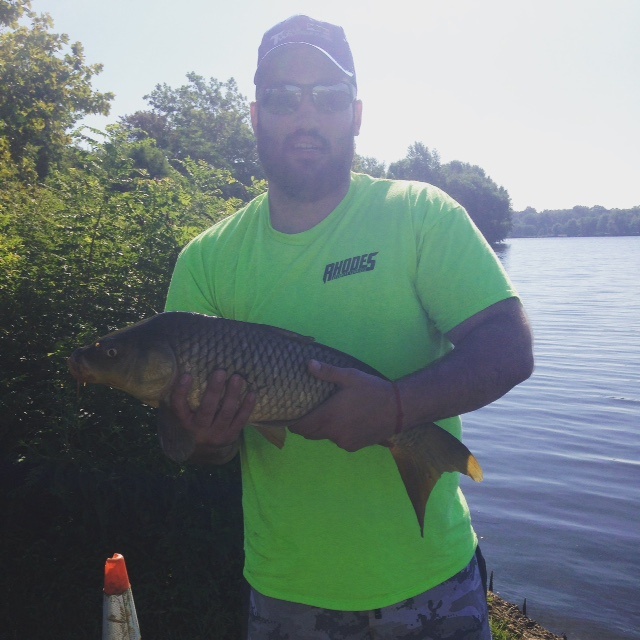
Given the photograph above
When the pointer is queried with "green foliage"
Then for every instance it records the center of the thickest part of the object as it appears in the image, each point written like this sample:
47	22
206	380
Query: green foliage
46	88
202	120
148	158
500	631
12	10
89	250
578	221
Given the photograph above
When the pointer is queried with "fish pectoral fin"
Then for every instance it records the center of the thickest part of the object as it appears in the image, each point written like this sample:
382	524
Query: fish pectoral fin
274	432
176	442
422	454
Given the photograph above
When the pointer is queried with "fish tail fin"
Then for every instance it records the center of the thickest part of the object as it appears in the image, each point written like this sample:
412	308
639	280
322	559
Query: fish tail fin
474	470
176	442
422	454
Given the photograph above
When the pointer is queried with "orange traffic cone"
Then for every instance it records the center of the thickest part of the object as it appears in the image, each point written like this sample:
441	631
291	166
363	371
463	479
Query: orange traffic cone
119	618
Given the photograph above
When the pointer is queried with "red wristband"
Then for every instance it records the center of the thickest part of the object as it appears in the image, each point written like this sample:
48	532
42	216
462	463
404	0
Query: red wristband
399	412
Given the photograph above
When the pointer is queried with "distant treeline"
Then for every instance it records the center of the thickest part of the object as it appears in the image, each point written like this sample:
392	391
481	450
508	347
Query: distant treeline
579	221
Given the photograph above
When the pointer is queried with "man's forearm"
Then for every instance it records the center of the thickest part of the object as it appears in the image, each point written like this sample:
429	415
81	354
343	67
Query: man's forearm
487	362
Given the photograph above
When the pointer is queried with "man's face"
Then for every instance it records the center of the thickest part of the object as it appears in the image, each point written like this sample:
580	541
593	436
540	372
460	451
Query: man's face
308	153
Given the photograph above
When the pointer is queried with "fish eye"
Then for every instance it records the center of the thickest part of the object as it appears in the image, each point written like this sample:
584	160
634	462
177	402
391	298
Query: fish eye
111	352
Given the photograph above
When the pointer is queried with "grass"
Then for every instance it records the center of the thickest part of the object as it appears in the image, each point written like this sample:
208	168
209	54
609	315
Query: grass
509	623
500	631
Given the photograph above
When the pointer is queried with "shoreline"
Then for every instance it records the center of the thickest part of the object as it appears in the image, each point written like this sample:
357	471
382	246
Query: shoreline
510	619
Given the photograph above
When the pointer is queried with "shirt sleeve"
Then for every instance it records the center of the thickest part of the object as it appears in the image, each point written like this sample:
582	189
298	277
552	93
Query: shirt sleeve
458	273
189	289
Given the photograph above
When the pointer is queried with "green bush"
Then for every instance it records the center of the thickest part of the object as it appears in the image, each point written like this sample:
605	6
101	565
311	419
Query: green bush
90	250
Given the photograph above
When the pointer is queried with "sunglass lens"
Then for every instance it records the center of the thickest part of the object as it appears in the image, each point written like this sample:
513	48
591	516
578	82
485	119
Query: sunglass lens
282	100
333	98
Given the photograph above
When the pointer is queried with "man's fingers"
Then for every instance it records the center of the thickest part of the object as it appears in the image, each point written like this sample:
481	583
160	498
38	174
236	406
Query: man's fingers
232	398
213	394
244	412
179	395
317	424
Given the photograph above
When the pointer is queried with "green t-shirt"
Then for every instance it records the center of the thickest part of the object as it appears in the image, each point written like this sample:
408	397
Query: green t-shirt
394	267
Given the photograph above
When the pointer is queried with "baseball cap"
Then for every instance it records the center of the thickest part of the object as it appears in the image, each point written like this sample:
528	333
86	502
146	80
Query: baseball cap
327	38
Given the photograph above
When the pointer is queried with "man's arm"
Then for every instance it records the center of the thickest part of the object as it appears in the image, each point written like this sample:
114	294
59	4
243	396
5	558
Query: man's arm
492	354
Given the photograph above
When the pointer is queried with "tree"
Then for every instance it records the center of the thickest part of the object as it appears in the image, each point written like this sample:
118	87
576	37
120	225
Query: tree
202	120
587	226
46	87
420	164
369	165
488	204
572	228
12	10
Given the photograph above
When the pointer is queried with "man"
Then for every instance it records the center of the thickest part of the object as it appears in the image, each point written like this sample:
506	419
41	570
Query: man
395	274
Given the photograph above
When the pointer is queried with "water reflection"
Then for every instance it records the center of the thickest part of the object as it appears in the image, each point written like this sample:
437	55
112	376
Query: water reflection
502	250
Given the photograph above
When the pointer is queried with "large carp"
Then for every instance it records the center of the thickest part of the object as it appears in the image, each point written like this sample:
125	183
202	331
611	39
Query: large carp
147	358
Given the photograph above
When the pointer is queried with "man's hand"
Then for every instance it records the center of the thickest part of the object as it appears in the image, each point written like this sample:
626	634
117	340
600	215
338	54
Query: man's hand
223	413
361	413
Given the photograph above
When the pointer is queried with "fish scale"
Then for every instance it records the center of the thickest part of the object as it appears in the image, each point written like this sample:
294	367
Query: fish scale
291	391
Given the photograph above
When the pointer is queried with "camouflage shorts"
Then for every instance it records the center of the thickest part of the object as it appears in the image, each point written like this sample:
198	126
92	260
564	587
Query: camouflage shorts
454	610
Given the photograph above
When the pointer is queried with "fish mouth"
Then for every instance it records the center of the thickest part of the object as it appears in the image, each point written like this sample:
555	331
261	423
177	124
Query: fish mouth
78	370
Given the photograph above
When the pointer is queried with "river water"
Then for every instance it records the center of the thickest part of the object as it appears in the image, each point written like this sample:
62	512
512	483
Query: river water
559	511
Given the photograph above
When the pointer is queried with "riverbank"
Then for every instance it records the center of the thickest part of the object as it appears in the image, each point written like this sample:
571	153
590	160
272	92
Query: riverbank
509	623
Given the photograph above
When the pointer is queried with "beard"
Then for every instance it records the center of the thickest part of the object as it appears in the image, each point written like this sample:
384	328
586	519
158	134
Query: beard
306	180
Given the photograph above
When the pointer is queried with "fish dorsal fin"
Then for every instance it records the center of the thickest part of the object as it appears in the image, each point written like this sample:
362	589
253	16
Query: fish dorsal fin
274	432
292	335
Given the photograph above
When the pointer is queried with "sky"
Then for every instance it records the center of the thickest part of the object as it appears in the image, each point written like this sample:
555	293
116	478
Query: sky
544	95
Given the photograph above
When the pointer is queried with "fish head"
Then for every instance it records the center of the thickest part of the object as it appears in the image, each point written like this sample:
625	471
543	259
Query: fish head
127	360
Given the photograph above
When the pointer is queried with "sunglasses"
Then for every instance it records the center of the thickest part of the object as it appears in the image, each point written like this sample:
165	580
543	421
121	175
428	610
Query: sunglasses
284	99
